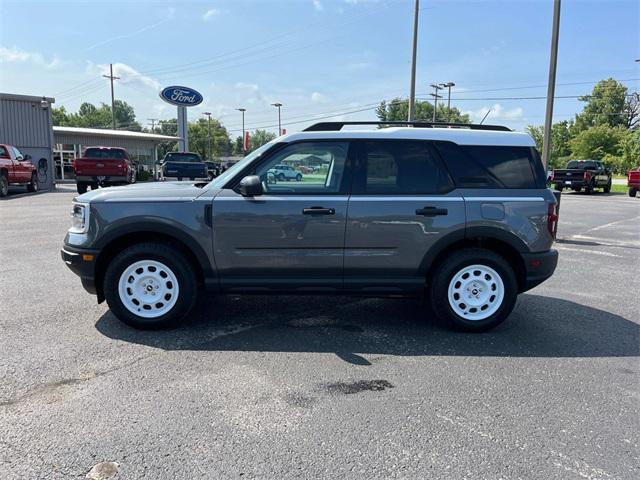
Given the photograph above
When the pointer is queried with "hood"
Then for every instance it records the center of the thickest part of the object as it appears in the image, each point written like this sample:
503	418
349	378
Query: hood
141	192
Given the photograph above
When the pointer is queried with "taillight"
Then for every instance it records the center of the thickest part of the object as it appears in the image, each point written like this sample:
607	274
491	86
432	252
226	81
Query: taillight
552	219
553	176
586	176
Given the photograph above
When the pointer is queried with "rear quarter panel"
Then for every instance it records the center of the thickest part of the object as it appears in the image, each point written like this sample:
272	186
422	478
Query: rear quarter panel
519	216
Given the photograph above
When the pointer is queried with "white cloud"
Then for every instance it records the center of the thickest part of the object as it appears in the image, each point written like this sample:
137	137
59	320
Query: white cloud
128	75
317	4
317	97
497	112
359	66
15	55
209	14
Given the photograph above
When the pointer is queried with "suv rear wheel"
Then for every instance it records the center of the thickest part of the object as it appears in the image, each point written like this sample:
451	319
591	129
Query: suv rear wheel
150	286
4	185
473	290
82	187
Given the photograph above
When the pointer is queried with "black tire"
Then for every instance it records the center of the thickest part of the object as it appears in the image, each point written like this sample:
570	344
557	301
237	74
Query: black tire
174	260
81	187
191	178
179	179
4	185
577	189
454	263
298	178
589	188
32	186
559	188
607	188
632	192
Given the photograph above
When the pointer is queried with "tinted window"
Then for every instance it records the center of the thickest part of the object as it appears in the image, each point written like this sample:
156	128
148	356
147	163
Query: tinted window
402	168
3	152
183	157
583	164
17	153
482	166
327	178
103	153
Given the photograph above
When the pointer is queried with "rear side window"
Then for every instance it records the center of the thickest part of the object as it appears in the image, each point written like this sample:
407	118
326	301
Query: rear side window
390	167
488	166
103	153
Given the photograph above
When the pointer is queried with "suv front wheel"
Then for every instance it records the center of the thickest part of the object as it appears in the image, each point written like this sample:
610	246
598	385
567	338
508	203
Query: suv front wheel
150	285
473	290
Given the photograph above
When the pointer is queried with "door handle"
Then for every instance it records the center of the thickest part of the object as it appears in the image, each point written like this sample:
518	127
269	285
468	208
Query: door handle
318	211
431	211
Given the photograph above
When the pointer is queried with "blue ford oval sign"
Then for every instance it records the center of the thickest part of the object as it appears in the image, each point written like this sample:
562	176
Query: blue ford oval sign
181	96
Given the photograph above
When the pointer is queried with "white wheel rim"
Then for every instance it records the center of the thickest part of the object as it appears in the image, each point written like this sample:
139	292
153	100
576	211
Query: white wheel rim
476	292
148	288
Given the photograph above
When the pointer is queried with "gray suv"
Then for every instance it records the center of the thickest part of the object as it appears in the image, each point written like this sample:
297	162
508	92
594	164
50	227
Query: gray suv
459	214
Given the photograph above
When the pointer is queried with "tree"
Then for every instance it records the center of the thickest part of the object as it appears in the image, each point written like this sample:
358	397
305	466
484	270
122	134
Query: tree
560	136
259	138
90	116
628	156
596	142
59	116
397	110
199	139
608	104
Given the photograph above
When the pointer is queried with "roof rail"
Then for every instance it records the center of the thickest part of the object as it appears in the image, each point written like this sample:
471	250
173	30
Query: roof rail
336	126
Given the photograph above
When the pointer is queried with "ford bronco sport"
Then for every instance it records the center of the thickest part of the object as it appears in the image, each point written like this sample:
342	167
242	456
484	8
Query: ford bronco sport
458	213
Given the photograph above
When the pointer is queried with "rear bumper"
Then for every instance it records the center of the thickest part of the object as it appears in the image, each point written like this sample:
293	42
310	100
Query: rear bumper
539	267
106	179
572	183
82	262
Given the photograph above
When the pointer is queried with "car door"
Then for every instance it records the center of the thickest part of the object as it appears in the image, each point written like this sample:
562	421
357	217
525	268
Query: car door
292	236
22	167
402	204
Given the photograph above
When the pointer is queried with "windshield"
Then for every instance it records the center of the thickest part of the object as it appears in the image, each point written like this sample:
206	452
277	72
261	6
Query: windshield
183	157
220	180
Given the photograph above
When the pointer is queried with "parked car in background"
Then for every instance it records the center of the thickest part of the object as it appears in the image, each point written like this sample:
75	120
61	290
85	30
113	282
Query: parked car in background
633	181
103	167
285	172
460	216
213	169
16	169
184	165
584	175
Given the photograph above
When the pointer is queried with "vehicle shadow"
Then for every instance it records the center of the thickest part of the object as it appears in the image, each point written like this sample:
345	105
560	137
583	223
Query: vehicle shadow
538	327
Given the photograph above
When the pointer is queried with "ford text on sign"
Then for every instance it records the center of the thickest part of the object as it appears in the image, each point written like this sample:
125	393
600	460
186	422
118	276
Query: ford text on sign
181	96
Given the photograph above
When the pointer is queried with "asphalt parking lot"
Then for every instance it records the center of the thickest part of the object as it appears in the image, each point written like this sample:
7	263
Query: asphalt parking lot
294	387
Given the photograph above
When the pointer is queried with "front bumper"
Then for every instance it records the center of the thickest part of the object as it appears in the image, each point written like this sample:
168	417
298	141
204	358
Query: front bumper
82	262
538	267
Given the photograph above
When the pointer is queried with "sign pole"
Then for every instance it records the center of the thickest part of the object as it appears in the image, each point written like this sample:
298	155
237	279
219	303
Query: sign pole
183	132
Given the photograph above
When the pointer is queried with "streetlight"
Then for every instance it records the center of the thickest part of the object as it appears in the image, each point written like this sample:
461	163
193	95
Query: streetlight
208	114
243	134
435	96
278	105
448	85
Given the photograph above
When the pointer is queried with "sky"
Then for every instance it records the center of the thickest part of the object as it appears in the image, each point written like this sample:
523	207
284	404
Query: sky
316	57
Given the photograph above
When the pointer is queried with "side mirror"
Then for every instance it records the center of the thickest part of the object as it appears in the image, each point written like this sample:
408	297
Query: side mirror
251	186
27	157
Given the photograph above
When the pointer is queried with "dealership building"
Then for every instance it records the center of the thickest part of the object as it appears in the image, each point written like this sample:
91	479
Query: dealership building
26	123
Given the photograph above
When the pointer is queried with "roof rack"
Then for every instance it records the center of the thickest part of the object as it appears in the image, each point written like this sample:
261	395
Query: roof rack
336	126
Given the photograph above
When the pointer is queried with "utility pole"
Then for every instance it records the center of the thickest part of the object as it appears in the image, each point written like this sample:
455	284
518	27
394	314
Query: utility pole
208	114
412	87
278	105
435	96
448	85
242	110
113	108
153	123
551	86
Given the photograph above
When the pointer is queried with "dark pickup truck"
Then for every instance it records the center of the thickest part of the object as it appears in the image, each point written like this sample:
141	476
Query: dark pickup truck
583	174
184	165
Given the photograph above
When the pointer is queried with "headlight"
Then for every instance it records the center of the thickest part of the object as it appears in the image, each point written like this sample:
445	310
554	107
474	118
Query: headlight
80	218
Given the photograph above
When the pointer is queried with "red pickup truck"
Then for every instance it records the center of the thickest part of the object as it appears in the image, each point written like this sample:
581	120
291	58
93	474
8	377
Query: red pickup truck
633	181
16	168
103	166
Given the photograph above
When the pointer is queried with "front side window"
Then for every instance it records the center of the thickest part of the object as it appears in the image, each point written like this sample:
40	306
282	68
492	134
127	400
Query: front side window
407	167
287	171
17	154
